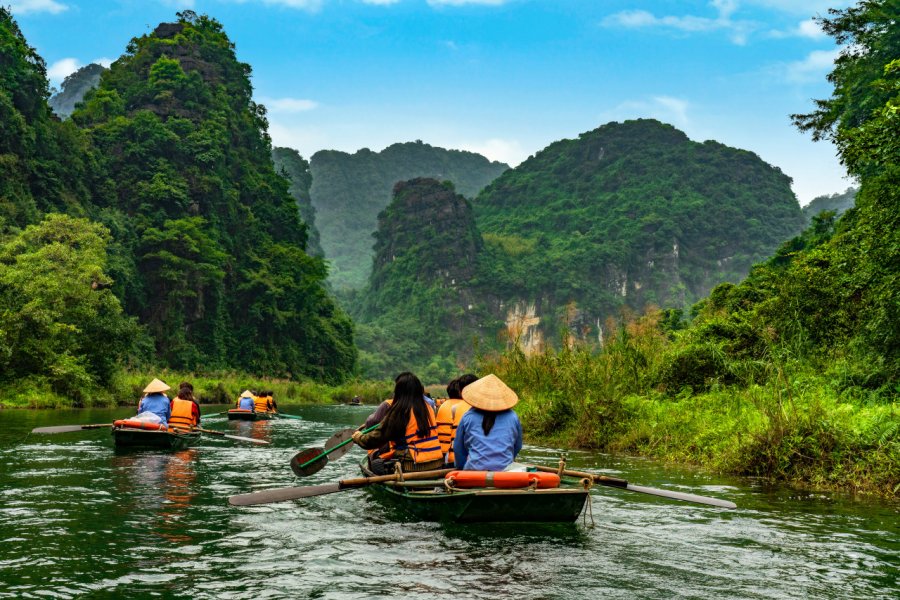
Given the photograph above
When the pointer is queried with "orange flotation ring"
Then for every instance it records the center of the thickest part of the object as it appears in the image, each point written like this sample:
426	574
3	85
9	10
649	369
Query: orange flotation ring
501	479
132	424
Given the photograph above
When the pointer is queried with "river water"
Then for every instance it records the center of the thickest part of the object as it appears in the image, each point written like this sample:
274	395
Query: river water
79	519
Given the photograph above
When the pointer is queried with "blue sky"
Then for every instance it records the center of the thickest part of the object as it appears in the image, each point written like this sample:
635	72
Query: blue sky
500	77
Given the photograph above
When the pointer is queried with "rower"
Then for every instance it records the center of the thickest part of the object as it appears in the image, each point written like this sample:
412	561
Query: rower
155	401
245	402
262	403
489	435
408	432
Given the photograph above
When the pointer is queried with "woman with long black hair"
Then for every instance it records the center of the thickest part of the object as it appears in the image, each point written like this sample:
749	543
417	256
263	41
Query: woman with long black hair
408	432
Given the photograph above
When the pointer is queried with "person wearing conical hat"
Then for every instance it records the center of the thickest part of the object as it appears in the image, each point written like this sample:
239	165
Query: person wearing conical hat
489	435
155	401
246	401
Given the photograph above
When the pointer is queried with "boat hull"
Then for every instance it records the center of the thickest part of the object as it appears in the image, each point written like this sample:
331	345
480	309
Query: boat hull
125	437
249	415
485	505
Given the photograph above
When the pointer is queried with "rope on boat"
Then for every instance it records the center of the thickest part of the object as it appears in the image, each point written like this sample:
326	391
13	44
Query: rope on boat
587	484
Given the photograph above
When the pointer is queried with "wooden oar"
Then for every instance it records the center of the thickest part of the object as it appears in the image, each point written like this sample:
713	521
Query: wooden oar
624	485
68	428
312	460
231	437
294	493
282	415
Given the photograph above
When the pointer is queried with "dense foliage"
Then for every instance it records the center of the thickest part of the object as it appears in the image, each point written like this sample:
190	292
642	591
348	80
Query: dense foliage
44	164
348	192
290	164
630	213
200	238
836	203
793	373
418	311
62	329
74	89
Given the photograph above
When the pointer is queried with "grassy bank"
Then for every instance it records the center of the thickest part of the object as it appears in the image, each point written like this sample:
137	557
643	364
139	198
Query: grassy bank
800	424
210	388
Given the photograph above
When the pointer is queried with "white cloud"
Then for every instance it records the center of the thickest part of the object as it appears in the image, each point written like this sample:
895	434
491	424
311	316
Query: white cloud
737	29
380	2
103	61
667	109
802	7
805	29
289	105
61	69
21	7
816	64
506	151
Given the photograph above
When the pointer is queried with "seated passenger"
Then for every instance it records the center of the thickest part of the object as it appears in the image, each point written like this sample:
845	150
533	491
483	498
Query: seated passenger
408	432
489	435
261	402
245	402
185	410
155	401
449	415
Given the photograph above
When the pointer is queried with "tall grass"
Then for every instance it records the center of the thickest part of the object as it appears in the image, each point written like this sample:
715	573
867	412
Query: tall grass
794	425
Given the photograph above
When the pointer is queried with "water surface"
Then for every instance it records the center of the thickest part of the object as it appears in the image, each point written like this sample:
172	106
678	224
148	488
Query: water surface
78	518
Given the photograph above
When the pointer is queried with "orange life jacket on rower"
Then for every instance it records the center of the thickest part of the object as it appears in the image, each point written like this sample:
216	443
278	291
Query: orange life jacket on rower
449	416
420	449
182	415
262	404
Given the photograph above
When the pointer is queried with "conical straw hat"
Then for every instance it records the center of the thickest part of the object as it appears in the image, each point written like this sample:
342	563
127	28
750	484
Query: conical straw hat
490	393
155	386
246	394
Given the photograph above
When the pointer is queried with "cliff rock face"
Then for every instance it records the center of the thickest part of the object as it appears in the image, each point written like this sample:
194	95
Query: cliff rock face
349	190
629	214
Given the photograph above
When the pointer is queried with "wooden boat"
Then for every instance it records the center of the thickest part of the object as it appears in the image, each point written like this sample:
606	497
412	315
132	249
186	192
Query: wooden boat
239	414
430	501
128	437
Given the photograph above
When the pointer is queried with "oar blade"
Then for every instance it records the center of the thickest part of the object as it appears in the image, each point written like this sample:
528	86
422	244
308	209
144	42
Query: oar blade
283	494
65	428
337	439
682	496
299	466
287	416
246	439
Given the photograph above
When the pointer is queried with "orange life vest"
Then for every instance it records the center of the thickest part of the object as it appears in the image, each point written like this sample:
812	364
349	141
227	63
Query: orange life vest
420	449
449	416
182	415
261	403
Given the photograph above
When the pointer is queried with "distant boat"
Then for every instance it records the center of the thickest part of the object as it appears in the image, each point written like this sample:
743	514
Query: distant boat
240	414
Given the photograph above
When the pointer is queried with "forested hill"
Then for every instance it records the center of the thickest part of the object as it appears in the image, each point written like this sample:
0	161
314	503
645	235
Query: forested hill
628	214
837	203
290	164
420	310
74	88
349	190
179	246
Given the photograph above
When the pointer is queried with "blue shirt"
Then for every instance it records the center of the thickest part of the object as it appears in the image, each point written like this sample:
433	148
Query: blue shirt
431	403
158	404
494	452
247	404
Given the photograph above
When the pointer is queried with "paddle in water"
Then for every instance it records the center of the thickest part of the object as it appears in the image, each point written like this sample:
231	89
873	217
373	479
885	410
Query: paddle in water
69	428
231	437
624	485
312	460
294	493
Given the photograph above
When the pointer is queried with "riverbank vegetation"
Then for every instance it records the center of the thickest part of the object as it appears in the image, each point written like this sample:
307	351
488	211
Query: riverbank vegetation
222	387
